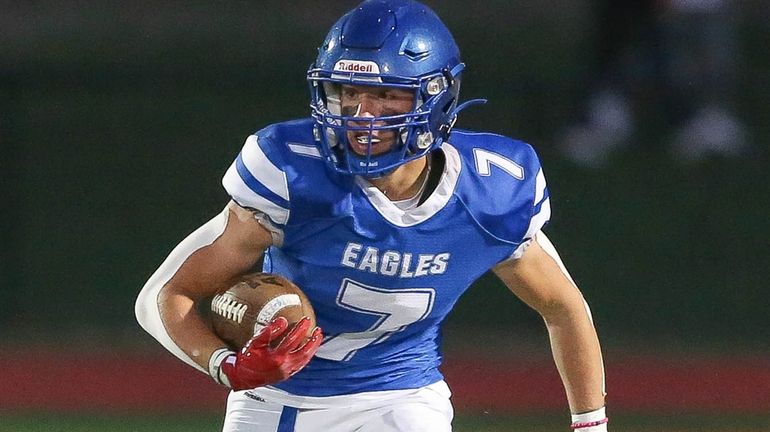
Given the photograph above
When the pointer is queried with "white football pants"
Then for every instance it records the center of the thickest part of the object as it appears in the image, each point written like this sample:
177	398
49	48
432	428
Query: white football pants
426	409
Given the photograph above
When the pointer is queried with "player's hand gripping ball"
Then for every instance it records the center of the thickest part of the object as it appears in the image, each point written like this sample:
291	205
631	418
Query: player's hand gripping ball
270	322
253	303
259	364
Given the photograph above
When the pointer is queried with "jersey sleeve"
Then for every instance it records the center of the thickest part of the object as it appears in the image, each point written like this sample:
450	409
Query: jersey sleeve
505	189
525	201
257	179
540	213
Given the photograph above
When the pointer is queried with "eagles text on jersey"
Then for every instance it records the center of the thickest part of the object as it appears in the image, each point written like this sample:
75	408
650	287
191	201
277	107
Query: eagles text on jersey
380	279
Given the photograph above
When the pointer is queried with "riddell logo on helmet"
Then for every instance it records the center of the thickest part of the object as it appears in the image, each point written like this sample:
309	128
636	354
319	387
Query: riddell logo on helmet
357	66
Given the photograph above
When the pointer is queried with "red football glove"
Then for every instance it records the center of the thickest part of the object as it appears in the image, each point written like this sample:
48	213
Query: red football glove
258	364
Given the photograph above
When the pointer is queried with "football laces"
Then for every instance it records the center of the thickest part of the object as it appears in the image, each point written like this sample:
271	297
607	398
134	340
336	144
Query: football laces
229	308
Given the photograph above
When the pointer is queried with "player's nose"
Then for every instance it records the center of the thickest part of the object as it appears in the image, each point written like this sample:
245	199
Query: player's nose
369	106
368	109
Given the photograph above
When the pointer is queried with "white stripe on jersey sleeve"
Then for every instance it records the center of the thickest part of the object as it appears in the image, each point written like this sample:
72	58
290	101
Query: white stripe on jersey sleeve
538	221
305	150
535	224
244	196
539	186
263	170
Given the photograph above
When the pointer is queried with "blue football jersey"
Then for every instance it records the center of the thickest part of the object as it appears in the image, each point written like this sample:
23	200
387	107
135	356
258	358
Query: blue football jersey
381	279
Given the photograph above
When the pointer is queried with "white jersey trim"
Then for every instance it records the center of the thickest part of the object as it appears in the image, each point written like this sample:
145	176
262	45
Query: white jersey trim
263	170
437	200
305	150
147	309
537	221
539	186
535	225
245	197
274	395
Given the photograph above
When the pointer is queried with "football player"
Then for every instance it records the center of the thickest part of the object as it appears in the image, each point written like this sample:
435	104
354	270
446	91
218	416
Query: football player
384	215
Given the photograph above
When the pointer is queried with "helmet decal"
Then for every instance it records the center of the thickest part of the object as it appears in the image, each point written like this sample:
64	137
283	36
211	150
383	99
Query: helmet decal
357	66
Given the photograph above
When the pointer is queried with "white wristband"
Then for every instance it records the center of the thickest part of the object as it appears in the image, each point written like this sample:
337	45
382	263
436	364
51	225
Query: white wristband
593	421
215	364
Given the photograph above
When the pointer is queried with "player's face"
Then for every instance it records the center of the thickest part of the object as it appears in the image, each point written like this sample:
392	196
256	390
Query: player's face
374	101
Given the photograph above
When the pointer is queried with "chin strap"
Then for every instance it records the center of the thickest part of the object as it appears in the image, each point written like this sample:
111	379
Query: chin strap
466	104
446	128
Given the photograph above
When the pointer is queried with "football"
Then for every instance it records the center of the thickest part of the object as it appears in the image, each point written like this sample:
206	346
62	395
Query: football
244	309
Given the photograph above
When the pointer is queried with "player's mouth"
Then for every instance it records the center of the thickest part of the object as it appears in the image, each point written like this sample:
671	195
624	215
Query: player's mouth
360	144
364	140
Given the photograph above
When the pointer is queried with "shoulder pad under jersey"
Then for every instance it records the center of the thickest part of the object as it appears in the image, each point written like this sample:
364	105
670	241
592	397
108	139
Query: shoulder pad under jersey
275	168
503	185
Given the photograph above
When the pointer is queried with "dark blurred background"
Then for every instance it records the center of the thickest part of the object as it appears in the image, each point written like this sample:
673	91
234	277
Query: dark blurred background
118	119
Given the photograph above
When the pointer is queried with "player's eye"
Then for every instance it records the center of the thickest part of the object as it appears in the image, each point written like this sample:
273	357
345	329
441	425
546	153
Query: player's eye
398	95
349	110
349	92
392	95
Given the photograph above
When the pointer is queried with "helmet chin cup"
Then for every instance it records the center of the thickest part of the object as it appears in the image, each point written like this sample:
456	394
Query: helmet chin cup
424	140
385	43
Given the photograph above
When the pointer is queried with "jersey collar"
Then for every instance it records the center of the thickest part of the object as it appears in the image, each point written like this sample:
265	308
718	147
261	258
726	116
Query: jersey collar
437	200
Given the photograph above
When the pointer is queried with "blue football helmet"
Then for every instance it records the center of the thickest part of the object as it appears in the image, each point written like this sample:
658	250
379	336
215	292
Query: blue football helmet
385	43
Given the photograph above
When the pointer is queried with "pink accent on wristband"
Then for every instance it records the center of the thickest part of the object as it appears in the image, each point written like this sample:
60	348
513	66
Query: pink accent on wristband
589	424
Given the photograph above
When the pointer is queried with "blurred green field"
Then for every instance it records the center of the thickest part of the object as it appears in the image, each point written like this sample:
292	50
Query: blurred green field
529	423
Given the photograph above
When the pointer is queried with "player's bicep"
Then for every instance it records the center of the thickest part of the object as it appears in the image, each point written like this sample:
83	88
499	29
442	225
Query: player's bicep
213	267
539	278
246	231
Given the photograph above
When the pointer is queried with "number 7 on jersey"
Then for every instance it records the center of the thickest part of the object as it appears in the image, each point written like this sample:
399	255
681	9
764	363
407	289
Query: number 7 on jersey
394	311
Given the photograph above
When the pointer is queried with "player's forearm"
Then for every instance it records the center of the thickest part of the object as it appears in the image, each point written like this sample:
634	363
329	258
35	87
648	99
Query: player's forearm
166	306
173	320
578	357
187	329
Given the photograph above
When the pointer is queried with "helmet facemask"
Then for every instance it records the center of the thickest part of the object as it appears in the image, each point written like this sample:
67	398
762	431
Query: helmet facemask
399	44
360	142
